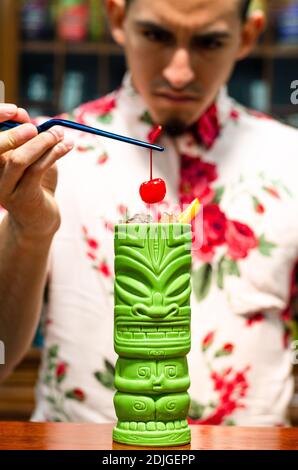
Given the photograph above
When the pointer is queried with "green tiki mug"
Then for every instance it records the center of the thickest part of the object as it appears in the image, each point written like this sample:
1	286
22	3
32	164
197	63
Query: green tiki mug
152	333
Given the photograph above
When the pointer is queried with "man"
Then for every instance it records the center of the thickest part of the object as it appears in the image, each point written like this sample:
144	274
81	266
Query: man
180	55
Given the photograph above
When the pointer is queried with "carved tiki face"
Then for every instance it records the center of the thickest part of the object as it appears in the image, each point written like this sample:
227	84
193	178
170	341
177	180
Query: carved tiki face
152	290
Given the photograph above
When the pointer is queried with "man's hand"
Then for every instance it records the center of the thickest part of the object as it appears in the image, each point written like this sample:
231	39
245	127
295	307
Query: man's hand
28	175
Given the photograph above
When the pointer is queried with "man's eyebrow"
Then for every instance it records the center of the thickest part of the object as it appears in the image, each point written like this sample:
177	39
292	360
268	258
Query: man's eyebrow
213	35
198	36
151	25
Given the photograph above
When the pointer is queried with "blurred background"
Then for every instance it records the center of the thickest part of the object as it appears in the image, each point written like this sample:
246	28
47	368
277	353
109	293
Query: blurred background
56	54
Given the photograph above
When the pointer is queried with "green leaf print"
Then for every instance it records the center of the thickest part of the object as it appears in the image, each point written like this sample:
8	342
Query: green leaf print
226	266
219	192
220	275
53	351
265	247
48	379
51	400
196	410
146	118
202	281
232	267
105	119
230	422
106	377
75	394
110	368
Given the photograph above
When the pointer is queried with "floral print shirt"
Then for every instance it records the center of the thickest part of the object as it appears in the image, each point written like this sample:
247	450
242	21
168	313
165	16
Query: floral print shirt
243	167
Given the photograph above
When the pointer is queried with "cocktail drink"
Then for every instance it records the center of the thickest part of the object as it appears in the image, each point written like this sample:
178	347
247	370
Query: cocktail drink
152	333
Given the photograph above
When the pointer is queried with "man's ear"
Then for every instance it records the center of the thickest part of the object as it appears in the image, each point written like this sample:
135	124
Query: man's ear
116	14
251	31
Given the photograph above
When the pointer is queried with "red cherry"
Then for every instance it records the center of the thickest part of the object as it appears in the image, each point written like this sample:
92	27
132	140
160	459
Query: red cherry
153	191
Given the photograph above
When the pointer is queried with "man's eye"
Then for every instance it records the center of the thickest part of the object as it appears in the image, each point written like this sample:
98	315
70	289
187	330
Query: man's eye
156	36
210	44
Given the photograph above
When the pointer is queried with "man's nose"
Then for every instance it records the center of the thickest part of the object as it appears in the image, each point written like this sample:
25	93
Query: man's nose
179	72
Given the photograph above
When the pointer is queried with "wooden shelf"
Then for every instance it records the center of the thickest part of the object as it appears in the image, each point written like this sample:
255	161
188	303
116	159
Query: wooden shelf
60	47
108	48
17	393
285	109
276	51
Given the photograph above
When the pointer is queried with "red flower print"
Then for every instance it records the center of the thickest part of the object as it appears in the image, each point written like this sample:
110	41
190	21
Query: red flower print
195	168
93	244
207	341
256	318
259	114
286	314
286	337
240	239
214	225
272	191
61	369
205	253
102	159
260	209
76	394
226	350
105	105
79	394
99	108
203	192
92	256
84	148
234	114
196	177
285	317
104	269
109	226
208	126
122	209
232	386
200	190
258	206
214	228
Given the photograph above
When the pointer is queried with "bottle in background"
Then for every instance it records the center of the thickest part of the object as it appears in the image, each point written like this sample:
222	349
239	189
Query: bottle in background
96	20
287	23
37	88
35	19
73	20
72	92
259	96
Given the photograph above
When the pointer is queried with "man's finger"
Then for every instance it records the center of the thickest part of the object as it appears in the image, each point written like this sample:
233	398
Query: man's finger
13	138
18	161
35	172
12	112
22	116
7	111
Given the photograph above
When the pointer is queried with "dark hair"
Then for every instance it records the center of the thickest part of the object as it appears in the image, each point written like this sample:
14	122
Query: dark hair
245	4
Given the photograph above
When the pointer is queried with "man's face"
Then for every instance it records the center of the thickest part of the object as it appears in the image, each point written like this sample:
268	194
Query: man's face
180	52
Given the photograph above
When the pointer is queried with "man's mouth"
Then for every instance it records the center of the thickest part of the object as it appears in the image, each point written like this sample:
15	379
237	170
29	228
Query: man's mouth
176	97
